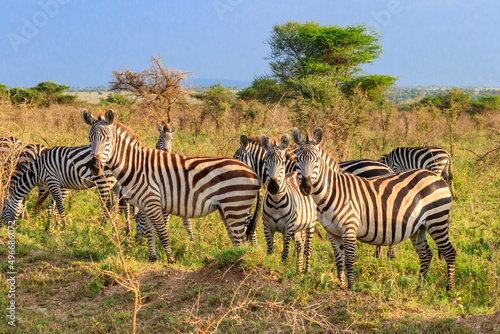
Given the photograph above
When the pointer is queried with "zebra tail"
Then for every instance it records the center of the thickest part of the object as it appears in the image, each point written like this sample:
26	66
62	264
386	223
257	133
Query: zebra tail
253	221
450	177
41	199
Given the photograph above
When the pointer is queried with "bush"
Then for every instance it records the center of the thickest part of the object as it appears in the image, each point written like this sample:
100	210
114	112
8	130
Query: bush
24	96
264	89
117	99
485	103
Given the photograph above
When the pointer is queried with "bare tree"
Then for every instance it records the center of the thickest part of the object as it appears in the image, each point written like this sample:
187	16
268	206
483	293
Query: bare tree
157	87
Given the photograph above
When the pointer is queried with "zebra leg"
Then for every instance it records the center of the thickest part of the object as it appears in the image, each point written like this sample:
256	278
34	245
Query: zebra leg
155	215
287	235
125	209
140	226
166	219
308	245
55	191
299	248
269	233
338	249
378	250
189	228
235	227
350	248
391	252
447	250
419	241
150	235
24	213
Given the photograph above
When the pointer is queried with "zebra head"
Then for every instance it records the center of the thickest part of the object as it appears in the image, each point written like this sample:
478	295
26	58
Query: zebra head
242	153
166	136
275	160
308	159
101	139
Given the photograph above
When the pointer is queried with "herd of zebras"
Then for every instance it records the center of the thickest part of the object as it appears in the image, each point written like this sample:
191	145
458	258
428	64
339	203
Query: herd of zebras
382	202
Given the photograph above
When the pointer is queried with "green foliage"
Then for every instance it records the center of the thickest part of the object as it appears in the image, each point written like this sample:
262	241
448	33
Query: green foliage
3	92
486	103
24	96
45	93
117	99
218	101
264	89
300	50
373	85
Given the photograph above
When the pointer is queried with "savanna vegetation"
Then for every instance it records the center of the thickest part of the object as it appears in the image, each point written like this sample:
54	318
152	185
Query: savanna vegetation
90	277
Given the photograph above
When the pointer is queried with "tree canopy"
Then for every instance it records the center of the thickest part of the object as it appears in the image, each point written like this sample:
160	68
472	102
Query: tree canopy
299	50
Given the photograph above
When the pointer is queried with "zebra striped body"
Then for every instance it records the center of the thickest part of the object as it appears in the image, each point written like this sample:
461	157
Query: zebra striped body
381	211
433	158
365	168
165	142
285	209
185	186
369	168
60	169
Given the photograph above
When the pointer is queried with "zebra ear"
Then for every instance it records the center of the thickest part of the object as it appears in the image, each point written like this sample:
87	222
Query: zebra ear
264	142
109	117
297	136
317	136
285	141
87	117
172	127
159	127
243	141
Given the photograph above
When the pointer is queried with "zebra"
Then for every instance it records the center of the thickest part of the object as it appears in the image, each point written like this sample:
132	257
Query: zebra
186	186
433	158
252	153
165	141
60	169
285	209
381	211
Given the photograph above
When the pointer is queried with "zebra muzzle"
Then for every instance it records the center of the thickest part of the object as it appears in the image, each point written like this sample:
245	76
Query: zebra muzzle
306	186
273	187
96	165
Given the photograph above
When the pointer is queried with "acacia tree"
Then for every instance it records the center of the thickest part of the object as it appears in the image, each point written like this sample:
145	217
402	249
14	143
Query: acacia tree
157	87
300	50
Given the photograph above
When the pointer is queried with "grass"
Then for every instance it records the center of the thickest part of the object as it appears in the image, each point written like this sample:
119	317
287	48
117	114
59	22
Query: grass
213	286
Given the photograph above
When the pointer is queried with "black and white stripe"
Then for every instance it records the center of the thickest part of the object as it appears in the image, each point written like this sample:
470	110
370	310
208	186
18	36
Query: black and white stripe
381	211
433	158
164	143
285	209
184	186
60	169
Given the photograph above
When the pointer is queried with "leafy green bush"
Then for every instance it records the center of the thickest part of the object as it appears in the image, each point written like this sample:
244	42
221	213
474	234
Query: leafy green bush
24	96
117	99
265	89
486	103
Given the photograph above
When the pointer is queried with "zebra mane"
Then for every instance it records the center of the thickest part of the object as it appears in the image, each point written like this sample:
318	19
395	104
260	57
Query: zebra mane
329	159
254	140
127	132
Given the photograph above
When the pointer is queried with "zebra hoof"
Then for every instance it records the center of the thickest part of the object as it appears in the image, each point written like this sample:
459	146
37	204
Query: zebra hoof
153	258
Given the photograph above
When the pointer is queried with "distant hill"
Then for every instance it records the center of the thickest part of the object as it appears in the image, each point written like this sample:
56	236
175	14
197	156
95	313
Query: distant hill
223	82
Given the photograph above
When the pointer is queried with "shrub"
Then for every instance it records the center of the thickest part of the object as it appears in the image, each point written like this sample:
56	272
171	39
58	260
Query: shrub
24	96
117	99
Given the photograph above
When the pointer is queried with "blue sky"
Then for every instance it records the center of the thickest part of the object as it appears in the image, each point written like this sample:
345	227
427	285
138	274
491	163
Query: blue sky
79	43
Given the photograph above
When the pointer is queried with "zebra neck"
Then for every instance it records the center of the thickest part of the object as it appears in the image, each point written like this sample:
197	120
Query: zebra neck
124	156
328	175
